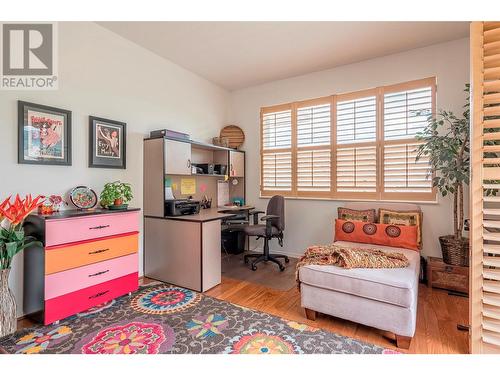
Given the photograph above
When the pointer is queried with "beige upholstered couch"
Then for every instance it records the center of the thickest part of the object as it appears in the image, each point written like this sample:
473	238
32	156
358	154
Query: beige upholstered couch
382	298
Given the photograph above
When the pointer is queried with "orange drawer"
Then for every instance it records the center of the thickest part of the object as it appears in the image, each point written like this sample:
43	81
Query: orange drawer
60	258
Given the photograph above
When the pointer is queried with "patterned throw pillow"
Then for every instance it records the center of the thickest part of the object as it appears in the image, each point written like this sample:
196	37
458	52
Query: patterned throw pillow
367	216
404	236
413	218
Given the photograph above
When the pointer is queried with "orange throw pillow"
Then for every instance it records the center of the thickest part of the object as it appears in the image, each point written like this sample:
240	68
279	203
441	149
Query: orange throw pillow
404	236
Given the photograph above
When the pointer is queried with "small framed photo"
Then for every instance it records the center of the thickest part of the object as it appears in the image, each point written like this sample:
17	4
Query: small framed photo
44	135
107	145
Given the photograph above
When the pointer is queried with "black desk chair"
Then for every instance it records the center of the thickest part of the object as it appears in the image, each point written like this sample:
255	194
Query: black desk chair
275	224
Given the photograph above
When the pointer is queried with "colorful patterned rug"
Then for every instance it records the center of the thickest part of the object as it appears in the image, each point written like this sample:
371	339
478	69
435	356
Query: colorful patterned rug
162	319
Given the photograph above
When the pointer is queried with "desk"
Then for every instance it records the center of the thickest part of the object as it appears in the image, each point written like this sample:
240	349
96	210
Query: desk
185	250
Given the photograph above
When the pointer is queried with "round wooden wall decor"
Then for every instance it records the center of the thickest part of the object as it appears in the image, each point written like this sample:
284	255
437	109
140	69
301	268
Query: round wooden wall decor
234	135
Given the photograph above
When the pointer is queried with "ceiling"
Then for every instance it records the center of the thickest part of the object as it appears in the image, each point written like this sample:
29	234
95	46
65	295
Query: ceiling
236	55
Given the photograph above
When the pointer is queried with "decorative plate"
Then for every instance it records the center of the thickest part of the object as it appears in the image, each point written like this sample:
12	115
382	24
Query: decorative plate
234	135
83	197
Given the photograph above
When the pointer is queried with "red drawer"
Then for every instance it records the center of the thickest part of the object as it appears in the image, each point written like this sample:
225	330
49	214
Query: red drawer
69	304
63	231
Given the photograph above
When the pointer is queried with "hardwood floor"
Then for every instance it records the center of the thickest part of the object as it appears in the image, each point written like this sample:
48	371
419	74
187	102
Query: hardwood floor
437	317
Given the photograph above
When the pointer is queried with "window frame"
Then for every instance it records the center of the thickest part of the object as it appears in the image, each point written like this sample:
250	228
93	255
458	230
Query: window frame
379	144
264	111
411	85
308	103
347	97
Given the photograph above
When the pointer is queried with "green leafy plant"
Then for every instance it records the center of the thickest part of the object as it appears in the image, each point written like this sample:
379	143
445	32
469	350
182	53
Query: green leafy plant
116	193
446	141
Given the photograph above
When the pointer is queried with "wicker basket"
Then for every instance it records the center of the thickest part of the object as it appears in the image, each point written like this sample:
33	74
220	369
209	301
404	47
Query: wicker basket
220	141
455	252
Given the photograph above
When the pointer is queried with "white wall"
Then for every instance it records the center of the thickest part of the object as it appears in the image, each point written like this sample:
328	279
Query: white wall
105	75
309	222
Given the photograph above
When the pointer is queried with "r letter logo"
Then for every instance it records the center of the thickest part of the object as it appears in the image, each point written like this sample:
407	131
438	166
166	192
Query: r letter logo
28	60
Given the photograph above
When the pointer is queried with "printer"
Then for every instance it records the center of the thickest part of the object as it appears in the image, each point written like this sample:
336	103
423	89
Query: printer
179	207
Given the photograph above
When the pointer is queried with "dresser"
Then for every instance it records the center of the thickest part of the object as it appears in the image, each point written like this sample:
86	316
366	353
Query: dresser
86	258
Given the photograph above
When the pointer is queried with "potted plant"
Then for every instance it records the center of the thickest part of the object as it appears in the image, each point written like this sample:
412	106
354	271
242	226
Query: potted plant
116	195
446	142
12	241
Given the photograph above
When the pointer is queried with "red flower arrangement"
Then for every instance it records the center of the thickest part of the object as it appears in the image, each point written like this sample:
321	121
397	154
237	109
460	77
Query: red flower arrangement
16	212
12	238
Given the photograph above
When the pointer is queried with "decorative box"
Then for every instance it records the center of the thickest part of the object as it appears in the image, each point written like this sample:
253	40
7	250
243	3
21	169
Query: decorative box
446	276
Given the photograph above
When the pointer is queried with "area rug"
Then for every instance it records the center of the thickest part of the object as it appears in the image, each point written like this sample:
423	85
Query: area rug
160	318
267	274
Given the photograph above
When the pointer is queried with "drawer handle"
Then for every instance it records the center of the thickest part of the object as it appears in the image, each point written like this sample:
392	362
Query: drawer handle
98	273
448	269
99	294
100	227
98	251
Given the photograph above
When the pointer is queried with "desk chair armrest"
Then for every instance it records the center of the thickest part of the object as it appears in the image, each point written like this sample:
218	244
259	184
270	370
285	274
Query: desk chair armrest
255	215
269	217
269	223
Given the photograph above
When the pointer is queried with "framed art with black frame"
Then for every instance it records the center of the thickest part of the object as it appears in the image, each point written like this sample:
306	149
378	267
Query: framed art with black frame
107	143
44	134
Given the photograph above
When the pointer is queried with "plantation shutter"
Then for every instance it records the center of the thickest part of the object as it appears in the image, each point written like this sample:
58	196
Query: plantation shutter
402	173
360	145
313	166
406	109
276	150
485	188
356	151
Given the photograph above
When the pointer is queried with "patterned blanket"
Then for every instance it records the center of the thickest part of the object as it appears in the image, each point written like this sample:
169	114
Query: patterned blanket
350	257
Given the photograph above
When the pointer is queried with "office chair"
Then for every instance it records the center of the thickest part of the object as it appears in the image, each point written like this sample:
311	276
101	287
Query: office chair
275	224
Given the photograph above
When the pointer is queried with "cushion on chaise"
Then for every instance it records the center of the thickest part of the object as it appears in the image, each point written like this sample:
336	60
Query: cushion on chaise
391	285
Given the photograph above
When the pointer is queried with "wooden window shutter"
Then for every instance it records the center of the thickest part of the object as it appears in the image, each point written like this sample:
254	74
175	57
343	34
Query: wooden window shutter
484	188
313	171
406	108
356	119
359	145
356	171
406	111
277	130
313	123
313	162
277	171
403	174
356	150
276	150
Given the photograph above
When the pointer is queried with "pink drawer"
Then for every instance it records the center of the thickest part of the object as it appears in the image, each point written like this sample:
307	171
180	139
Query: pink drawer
64	282
64	231
69	304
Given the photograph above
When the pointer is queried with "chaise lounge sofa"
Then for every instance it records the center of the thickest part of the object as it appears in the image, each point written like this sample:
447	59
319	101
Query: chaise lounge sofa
382	298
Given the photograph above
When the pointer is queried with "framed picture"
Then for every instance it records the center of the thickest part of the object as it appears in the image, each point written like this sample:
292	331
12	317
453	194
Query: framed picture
44	134
107	146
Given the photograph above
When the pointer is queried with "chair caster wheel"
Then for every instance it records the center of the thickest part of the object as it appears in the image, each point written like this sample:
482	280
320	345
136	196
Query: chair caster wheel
282	268
287	260
254	268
